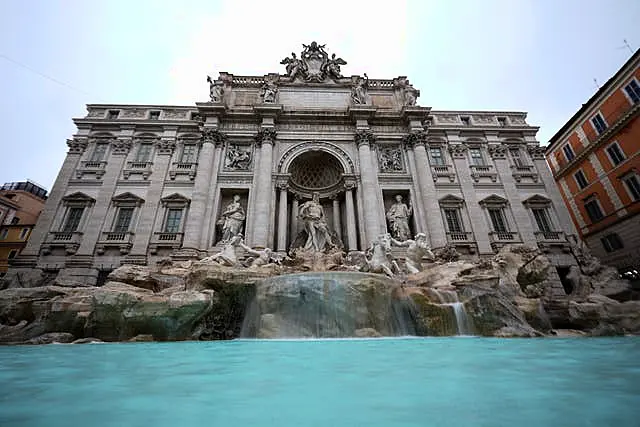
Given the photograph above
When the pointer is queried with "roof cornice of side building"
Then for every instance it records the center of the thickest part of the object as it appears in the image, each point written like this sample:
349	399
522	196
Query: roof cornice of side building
604	92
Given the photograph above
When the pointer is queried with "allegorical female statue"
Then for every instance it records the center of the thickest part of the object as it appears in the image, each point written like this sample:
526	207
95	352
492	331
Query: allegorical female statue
398	216
312	216
232	219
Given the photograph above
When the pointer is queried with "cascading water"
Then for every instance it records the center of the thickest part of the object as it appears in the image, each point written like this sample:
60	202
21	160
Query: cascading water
328	305
463	322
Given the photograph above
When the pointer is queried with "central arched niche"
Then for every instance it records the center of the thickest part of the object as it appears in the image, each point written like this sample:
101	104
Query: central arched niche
316	171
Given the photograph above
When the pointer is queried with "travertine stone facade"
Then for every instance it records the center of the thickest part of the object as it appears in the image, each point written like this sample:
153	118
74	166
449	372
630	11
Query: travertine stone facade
142	182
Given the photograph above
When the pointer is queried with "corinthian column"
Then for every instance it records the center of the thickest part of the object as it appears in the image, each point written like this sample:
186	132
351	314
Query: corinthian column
206	169
352	240
428	189
262	205
363	139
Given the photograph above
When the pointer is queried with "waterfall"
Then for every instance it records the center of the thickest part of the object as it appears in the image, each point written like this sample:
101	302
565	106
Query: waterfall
450	298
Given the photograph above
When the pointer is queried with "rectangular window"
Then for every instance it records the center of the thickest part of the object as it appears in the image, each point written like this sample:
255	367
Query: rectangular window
633	184
73	219
452	216
568	152
172	225
113	114
99	153
580	179
516	157
633	91
476	157
123	221
144	153
593	210
189	154
23	233
598	123
12	254
612	242
4	233
615	153
542	219
497	219
154	115
436	156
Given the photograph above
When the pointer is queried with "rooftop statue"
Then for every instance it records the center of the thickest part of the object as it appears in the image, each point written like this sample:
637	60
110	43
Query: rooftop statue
216	90
359	94
269	90
314	64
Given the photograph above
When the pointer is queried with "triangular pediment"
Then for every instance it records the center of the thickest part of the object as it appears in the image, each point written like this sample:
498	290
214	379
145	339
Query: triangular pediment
494	199
451	200
175	199
78	197
537	199
128	197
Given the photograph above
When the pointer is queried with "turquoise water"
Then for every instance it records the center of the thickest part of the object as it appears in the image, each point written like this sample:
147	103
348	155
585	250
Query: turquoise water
387	382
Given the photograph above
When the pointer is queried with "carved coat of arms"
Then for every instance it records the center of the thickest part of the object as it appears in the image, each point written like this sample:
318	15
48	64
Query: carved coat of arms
314	64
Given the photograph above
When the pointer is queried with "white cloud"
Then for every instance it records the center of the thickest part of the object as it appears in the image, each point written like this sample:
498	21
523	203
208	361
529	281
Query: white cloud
251	38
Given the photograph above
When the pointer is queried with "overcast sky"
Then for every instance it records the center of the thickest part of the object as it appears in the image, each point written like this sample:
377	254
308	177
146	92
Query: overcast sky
539	56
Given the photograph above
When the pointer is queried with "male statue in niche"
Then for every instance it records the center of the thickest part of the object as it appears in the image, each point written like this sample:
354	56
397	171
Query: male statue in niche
312	215
398	217
232	219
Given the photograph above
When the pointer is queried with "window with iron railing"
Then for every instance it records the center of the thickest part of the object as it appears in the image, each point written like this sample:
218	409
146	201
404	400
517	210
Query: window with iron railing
144	153
172	224
452	216
72	221
99	153
189	153
542	219
123	221
436	156
516	157
476	157
497	220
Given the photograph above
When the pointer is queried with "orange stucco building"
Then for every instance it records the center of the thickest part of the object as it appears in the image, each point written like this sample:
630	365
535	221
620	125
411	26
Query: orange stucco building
595	160
20	206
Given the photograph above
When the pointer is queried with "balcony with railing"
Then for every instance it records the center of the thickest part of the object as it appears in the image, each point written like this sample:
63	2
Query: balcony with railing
143	168
122	240
616	120
459	236
483	171
547	239
500	238
91	167
443	171
524	171
69	240
183	168
164	239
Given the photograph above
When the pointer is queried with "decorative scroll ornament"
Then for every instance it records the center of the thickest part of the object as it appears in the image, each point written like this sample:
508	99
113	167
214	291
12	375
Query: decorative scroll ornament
415	138
213	136
77	145
265	136
314	64
166	146
121	146
390	160
498	151
364	137
536	152
458	151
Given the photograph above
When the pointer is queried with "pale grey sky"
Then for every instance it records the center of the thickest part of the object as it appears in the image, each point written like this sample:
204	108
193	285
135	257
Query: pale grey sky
539	56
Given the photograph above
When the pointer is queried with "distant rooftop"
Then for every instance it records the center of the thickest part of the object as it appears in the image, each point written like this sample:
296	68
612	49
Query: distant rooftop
28	186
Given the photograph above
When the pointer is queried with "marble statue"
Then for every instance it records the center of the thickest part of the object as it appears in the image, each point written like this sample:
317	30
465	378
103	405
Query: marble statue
269	91
359	90
398	217
215	90
378	256
332	67
232	219
390	160
416	250
294	66
408	92
262	257
312	215
238	159
229	254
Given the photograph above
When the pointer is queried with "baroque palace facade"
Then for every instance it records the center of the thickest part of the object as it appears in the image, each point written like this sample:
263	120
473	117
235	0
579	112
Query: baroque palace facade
143	182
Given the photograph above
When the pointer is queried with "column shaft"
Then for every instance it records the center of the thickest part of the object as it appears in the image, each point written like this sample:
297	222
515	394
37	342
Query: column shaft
294	219
371	221
282	221
198	207
352	240
336	217
262	210
429	198
208	218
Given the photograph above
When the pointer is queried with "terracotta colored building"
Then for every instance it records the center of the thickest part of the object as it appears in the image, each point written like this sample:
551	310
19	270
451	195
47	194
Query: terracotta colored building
595	160
20	206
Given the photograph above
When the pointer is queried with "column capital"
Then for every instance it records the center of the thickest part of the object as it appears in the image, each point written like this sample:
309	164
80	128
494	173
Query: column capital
536	152
213	136
497	151
166	146
414	139
458	151
121	146
364	137
77	145
265	136
350	184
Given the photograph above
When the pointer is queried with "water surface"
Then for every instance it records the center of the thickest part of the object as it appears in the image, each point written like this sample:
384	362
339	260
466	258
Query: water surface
373	383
